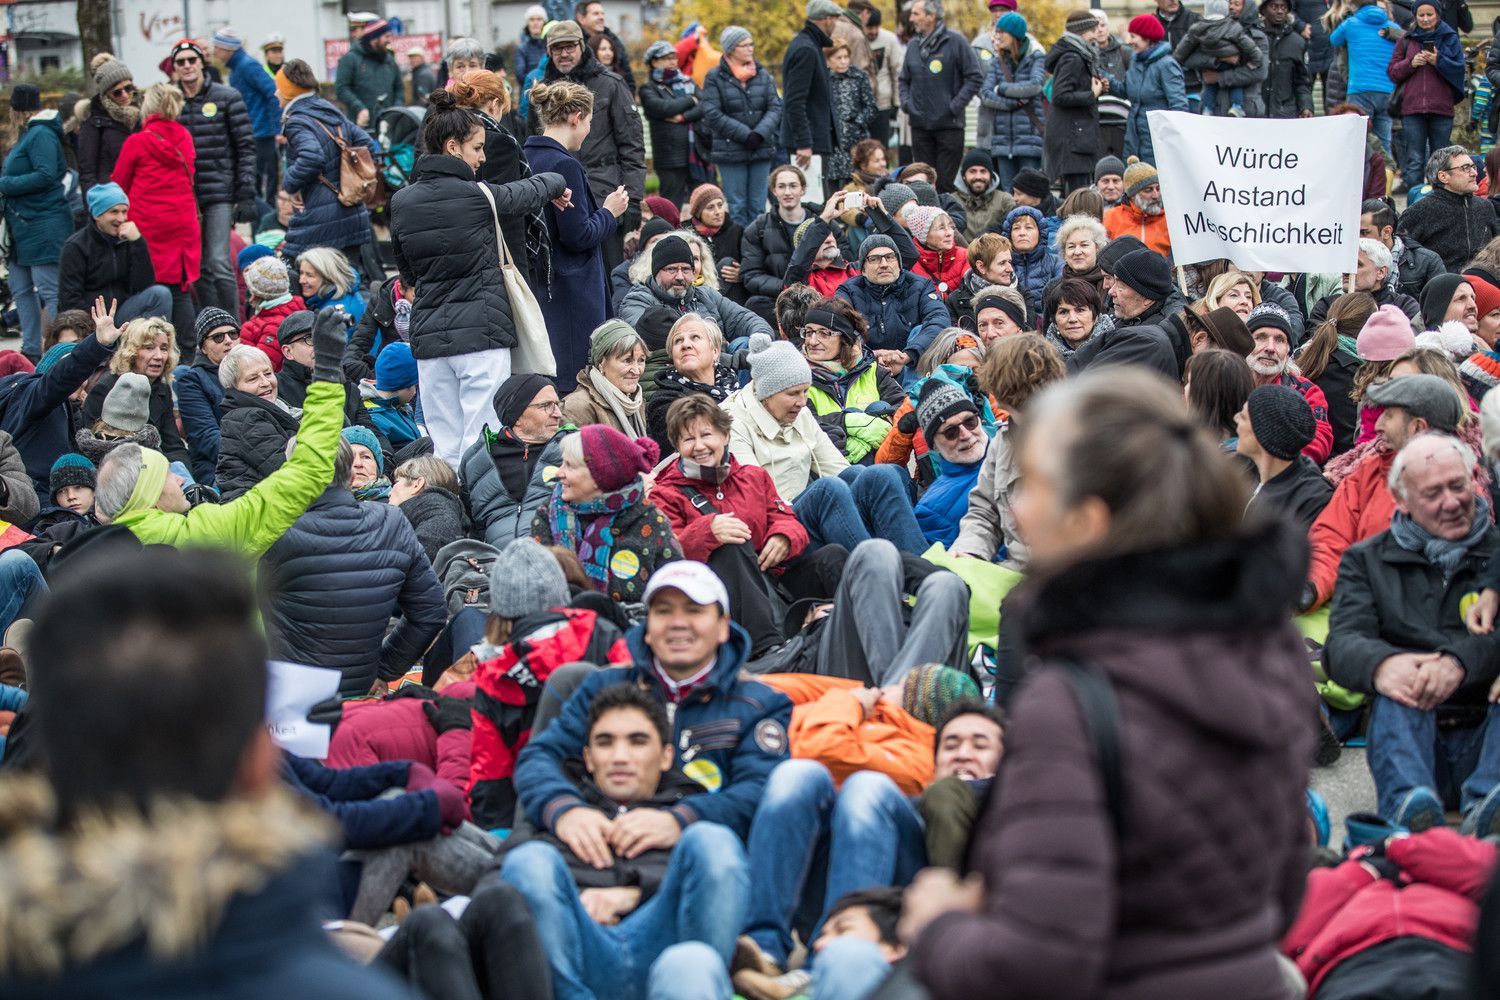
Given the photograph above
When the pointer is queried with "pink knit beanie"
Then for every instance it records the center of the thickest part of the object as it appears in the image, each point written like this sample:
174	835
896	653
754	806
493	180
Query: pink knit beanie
1386	335
614	459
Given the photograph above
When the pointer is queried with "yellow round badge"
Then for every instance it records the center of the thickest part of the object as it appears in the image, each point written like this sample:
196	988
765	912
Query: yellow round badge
936	66
1465	603
210	109
705	773
549	473
625	564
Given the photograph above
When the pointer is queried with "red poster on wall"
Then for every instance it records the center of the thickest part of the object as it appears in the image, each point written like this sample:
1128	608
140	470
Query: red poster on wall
430	43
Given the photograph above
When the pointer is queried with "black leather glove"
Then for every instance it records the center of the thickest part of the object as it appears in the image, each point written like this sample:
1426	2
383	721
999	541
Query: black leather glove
446	714
328	345
1309	597
631	220
244	211
197	493
908	423
754	141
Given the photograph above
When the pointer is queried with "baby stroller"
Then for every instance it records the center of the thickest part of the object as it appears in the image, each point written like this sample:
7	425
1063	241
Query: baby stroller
397	133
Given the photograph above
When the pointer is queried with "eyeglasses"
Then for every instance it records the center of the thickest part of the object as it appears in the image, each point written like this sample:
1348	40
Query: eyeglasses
970	424
880	258
124	90
307	339
222	335
1467	168
548	406
820	332
186	61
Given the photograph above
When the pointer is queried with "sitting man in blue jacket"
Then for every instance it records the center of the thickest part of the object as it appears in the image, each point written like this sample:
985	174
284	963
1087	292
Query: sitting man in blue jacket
389	400
950	421
728	732
620	911
901	307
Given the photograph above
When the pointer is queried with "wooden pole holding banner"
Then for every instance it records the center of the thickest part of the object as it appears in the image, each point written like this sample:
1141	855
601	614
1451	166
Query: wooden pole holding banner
1182	281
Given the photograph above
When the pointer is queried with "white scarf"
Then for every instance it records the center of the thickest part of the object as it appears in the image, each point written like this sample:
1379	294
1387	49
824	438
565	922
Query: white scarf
629	411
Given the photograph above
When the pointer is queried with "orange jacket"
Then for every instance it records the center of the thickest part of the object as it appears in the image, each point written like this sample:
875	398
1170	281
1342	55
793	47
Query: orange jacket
828	725
1126	219
1361	508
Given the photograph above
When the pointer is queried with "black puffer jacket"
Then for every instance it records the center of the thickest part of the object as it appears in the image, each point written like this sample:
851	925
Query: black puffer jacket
437	516
766	250
337	577
443	236
252	443
1288	85
669	139
99	140
225	145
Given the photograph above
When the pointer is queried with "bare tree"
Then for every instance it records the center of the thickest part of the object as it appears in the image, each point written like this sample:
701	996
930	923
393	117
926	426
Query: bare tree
95	33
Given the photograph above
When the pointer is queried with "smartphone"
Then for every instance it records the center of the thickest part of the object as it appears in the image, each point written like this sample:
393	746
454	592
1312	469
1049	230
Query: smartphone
1429	48
855	201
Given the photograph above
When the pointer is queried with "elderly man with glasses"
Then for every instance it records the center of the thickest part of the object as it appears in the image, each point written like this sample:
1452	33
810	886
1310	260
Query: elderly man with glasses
509	472
1451	221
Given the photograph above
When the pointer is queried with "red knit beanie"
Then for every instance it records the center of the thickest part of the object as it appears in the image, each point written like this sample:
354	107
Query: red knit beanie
1148	27
614	459
1486	295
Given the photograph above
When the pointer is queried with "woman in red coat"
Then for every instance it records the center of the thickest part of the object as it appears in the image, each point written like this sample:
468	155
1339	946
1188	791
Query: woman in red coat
156	170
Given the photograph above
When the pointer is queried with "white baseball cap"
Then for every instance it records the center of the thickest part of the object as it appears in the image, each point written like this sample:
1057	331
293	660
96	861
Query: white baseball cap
701	584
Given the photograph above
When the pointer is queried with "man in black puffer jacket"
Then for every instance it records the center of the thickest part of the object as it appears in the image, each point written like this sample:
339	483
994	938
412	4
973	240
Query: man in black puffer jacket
224	171
339	575
1288	86
615	151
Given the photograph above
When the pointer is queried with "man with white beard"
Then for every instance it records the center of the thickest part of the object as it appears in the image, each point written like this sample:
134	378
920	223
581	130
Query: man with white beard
1271	364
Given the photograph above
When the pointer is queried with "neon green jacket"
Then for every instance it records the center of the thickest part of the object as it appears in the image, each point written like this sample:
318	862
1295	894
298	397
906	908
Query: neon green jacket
251	523
840	400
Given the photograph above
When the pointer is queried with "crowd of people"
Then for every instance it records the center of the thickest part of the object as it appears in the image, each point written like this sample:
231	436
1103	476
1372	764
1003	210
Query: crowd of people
815	558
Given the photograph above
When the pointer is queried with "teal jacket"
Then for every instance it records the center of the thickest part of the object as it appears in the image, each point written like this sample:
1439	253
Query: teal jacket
36	209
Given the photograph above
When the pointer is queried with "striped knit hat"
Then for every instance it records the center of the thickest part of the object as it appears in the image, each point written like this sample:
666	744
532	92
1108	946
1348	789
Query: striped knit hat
929	691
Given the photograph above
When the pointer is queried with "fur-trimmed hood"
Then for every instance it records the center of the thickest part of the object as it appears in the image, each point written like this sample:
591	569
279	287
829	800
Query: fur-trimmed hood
115	881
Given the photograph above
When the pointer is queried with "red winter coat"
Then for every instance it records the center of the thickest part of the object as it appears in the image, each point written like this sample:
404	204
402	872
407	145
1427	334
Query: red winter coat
1348	909
156	170
749	494
509	685
946	268
826	280
376	731
260	330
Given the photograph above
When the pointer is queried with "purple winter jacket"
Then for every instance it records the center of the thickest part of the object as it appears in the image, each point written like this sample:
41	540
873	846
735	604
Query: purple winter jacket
1217	721
1423	89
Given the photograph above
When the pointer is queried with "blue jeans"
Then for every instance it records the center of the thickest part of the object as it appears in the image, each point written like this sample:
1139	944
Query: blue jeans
1421	136
1210	98
848	968
864	502
701	898
1006	168
809	846
1406	750
1377	106
744	187
216	274
35	290
151	301
19	579
689	971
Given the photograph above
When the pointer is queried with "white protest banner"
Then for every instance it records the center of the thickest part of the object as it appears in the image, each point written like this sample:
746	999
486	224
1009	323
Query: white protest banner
291	693
1268	194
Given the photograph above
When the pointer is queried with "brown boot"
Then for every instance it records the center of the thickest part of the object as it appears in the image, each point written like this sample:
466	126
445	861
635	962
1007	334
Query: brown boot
12	668
423	895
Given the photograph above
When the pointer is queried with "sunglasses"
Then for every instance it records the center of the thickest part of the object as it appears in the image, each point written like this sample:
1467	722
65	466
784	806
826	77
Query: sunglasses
298	340
222	335
124	90
186	61
970	424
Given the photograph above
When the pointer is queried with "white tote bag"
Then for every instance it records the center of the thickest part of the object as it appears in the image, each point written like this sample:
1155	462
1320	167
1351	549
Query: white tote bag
532	354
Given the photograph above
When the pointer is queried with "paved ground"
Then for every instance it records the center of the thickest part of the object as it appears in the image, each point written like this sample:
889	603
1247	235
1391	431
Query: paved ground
1347	787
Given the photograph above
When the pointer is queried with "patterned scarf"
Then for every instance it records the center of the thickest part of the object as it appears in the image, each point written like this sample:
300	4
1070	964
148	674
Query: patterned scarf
587	528
376	489
714	475
1443	553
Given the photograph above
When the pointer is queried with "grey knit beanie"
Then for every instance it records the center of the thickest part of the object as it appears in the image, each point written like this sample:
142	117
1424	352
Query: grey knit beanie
775	366
127	407
893	196
925	193
874	241
732	38
110	74
524	579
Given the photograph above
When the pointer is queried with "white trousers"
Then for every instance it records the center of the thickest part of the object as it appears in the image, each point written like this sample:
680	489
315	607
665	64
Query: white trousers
458	398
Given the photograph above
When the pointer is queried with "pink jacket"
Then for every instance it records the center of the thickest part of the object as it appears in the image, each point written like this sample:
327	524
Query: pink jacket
376	731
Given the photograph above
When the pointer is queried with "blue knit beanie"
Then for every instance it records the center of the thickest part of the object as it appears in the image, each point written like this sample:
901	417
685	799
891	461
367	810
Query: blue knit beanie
55	354
71	469
363	435
395	368
1014	25
103	197
252	253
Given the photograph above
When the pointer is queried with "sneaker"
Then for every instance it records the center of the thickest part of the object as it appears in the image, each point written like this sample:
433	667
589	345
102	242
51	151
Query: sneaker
1317	815
1235	111
1362	829
748	955
1483	820
1420	810
753	985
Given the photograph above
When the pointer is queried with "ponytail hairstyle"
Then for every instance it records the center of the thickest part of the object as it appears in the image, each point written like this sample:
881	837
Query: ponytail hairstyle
1124	435
446	120
555	102
478	88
